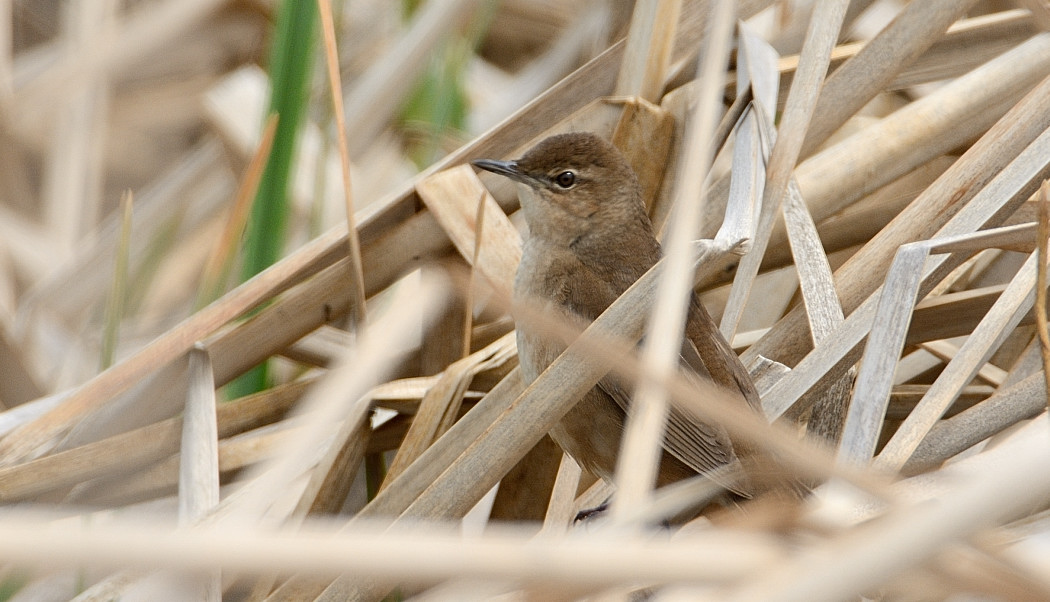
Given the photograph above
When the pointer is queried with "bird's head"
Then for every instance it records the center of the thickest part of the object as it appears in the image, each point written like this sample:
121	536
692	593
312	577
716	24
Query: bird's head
572	185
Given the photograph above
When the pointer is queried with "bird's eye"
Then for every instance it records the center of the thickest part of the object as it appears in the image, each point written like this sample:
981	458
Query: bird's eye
565	179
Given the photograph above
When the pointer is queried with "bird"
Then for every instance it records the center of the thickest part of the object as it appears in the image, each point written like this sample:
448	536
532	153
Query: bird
589	239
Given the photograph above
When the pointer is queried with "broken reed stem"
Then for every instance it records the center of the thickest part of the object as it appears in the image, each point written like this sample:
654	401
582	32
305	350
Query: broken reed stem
1040	291
199	453
357	279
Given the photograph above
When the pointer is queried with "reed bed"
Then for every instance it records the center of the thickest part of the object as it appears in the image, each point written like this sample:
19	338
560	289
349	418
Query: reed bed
858	190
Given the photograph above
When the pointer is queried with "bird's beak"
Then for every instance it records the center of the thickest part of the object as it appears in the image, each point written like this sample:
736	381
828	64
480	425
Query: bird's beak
509	169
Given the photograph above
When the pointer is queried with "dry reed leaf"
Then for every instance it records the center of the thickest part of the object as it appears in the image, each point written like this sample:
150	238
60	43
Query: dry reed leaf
644	135
648	52
745	194
32	478
235	453
957	186
403	395
357	279
321	347
924	129
999	197
1041	304
967	44
785	149
452	198
562	510
858	223
823	311
756	67
867	73
904	397
721	555
199	454
953	435
149	486
947	350
440	406
109	457
896	303
466	308
199	462
1003	317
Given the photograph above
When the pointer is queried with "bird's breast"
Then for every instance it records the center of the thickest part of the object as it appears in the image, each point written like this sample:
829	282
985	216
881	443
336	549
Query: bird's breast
554	283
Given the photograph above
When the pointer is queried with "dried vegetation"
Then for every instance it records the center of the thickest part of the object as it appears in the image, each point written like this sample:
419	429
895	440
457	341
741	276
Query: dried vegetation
867	181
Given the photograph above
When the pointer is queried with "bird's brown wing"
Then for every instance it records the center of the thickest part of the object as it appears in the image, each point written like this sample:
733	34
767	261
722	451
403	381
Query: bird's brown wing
717	356
700	446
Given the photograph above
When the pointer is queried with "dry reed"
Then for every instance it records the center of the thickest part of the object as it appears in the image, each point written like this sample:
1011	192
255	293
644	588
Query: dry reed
874	253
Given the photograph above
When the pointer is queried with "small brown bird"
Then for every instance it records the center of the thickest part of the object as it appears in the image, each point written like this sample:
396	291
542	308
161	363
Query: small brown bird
589	240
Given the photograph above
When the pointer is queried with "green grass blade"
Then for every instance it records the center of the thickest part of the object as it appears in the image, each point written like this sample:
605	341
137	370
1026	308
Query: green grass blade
291	64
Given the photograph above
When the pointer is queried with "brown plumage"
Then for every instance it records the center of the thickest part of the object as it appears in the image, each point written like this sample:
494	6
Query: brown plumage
589	240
